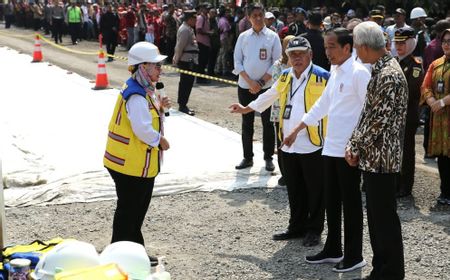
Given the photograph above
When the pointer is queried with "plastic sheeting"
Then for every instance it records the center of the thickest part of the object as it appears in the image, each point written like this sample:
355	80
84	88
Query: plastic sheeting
53	132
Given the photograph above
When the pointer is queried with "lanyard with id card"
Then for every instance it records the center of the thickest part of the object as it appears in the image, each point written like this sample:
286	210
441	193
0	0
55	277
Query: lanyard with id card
288	108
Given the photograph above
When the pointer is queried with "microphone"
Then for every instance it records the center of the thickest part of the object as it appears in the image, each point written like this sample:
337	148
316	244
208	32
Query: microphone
162	94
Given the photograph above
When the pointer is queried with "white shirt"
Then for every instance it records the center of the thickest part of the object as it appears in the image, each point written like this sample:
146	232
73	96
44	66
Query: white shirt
302	144
342	100
141	120
255	53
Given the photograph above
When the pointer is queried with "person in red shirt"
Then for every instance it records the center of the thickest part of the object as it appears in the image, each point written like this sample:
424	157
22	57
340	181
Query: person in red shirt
130	23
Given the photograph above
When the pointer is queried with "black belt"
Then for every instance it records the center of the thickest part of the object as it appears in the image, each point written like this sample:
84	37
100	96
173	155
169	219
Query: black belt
192	51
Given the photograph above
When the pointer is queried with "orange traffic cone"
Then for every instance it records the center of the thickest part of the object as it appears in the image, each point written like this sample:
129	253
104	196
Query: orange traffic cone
101	81
37	54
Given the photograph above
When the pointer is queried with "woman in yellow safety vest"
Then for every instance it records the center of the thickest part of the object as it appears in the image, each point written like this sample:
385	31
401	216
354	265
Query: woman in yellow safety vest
136	141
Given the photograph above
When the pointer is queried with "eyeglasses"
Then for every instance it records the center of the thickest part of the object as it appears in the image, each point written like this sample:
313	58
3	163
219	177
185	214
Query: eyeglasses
157	65
445	42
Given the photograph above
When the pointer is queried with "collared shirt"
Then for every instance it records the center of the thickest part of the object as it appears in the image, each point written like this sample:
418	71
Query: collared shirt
342	100
302	144
203	24
378	137
186	48
255	53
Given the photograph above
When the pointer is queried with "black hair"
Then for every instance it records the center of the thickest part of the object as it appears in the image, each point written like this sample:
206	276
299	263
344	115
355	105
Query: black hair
254	6
343	35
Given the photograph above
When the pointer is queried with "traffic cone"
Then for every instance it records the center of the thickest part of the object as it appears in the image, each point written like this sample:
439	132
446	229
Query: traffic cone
101	81
37	54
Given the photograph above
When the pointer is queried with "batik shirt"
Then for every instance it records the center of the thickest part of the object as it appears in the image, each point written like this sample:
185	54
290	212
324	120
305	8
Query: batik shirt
378	136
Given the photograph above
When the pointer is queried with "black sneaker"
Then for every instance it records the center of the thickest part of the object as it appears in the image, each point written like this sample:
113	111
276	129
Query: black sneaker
324	257
347	267
442	200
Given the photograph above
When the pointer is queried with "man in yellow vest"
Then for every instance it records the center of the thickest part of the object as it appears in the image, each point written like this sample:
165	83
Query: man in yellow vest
136	141
74	20
298	88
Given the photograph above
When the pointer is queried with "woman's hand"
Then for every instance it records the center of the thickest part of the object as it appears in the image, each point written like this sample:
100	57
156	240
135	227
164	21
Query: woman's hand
436	106
165	101
351	158
164	144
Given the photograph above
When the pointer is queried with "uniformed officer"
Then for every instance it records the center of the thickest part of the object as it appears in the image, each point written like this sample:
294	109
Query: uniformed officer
405	43
186	58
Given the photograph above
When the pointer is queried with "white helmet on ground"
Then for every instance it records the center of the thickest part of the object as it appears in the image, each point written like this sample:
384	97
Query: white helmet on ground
66	256
131	258
144	52
417	13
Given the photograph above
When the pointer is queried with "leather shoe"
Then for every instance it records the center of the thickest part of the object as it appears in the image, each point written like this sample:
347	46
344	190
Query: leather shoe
285	235
269	165
186	110
244	164
153	260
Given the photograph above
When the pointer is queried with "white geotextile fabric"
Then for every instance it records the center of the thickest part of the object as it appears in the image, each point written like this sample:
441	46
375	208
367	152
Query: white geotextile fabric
53	131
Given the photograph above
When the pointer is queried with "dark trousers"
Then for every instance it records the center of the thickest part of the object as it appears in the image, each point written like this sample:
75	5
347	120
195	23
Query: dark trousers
170	48
444	173
37	22
185	84
213	53
133	199
342	191
74	31
304	181
8	20
245	97
57	25
202	59
384	226
406	181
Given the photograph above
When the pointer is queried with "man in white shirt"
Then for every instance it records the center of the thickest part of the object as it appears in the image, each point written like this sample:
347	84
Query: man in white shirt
342	101
298	88
400	21
255	52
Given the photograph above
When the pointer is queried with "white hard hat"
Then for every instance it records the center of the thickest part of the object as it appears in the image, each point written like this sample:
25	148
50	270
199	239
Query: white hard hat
131	258
144	52
417	13
269	15
66	256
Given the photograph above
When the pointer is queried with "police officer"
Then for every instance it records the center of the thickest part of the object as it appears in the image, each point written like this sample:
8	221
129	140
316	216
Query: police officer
405	43
186	58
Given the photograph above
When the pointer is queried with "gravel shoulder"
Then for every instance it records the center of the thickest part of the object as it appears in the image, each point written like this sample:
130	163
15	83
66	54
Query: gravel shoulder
225	235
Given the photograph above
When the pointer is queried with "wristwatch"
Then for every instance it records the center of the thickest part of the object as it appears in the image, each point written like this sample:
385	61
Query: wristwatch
442	103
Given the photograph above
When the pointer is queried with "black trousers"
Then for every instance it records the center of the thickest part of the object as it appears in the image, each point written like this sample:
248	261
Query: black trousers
203	58
74	31
444	174
170	48
245	97
384	226
57	24
185	84
342	191
304	181
406	181
133	199
213	53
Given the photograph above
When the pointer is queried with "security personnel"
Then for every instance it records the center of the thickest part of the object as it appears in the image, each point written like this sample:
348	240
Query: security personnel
186	58
298	88
405	42
135	142
74	20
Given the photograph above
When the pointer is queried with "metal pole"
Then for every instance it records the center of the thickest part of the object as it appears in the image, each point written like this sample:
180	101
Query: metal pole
2	211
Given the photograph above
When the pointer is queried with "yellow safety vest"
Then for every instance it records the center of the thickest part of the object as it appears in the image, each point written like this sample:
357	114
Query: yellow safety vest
125	152
316	83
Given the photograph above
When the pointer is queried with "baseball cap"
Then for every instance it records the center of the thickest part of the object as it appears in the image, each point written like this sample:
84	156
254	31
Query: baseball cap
298	43
269	15
376	14
400	11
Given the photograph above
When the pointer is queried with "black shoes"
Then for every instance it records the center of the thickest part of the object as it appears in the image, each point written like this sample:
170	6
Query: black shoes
342	266
153	260
311	239
402	193
324	257
285	235
244	164
269	165
186	110
282	181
